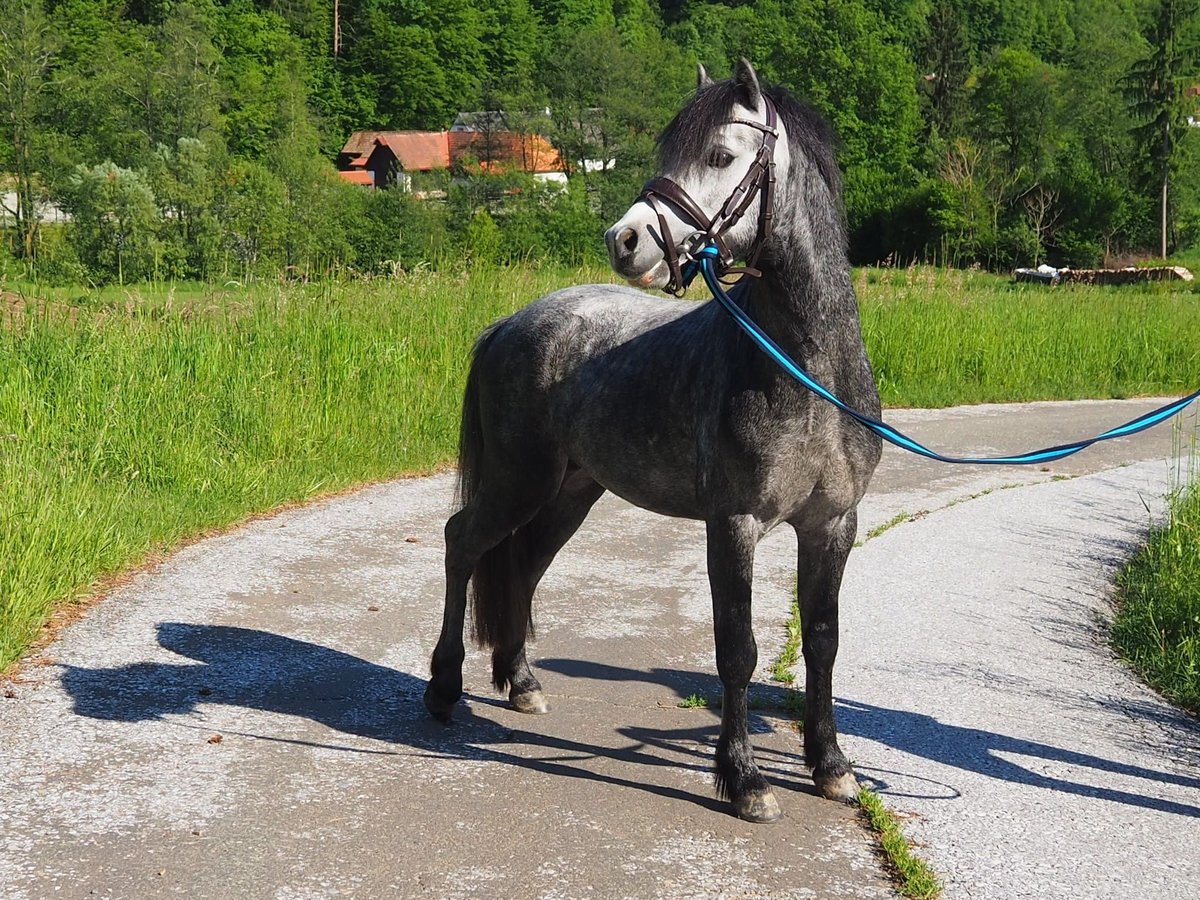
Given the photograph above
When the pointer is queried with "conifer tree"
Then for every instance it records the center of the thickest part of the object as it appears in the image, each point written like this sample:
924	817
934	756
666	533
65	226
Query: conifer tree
1157	87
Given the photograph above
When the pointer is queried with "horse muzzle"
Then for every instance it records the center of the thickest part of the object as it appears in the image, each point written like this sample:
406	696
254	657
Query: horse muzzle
634	252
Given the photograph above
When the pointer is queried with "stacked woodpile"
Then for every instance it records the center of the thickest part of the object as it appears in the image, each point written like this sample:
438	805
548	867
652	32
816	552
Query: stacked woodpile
1130	275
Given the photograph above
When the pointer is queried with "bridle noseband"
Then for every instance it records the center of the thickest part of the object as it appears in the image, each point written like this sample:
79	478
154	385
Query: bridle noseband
759	179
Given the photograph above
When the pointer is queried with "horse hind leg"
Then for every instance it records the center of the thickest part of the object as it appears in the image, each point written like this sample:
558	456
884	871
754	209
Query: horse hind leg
479	548
533	548
445	685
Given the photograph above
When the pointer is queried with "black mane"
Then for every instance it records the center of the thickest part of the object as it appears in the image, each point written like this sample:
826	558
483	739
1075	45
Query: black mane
685	139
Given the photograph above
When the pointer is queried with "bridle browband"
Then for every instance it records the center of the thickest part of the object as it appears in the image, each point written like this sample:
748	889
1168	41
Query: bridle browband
759	179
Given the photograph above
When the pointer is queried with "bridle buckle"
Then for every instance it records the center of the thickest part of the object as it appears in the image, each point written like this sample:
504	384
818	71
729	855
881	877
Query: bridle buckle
691	246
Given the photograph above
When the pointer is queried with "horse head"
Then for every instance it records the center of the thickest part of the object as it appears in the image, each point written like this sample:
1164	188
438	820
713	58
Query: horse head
719	161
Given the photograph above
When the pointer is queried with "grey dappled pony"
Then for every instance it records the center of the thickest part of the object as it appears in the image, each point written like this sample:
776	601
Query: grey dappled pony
668	405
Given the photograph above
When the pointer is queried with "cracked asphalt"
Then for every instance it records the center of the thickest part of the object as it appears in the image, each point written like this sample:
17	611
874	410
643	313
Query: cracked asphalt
245	719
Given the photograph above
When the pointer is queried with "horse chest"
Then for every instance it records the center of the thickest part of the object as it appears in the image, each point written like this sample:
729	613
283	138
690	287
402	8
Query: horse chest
777	463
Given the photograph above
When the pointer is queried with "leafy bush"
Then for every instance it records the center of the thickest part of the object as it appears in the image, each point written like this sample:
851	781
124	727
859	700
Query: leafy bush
398	232
482	239
573	232
251	206
116	222
184	180
58	263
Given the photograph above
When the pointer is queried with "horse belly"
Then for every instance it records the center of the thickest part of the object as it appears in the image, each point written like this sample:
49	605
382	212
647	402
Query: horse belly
641	468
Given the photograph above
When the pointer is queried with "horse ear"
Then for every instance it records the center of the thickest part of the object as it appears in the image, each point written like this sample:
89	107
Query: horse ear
747	79
702	79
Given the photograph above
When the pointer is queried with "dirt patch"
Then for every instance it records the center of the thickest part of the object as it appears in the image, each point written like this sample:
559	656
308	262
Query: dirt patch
16	308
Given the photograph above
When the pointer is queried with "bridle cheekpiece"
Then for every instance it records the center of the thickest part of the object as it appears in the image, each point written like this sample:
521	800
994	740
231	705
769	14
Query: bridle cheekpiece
758	180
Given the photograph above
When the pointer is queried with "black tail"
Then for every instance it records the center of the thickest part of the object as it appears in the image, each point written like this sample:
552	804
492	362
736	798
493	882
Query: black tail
501	599
470	436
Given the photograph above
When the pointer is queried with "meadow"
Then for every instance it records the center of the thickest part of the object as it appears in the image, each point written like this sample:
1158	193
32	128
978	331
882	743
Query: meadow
132	419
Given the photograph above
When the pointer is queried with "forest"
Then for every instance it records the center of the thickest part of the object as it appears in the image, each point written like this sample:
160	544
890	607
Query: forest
196	139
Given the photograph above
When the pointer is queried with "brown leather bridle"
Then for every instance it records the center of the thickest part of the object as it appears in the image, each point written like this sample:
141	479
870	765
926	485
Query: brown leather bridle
759	179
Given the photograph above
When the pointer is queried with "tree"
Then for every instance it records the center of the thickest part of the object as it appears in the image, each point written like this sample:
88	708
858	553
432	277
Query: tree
25	62
251	206
1157	89
318	203
188	104
1042	213
606	96
1017	106
115	222
258	55
401	70
184	181
946	65
509	38
845	60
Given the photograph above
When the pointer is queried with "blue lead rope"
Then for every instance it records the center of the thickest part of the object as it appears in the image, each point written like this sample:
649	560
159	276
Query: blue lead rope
704	264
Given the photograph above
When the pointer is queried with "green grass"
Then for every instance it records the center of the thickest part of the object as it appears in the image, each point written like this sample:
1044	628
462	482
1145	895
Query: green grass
914	878
1157	626
134	418
130	421
941	338
781	669
754	700
899	519
1189	259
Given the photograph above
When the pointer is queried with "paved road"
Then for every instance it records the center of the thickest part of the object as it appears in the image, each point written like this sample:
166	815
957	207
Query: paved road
246	719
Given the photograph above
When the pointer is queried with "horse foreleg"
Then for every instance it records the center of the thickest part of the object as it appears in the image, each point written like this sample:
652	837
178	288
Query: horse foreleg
819	578
731	543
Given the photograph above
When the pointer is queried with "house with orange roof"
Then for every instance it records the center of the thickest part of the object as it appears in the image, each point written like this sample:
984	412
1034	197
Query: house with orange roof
385	158
385	155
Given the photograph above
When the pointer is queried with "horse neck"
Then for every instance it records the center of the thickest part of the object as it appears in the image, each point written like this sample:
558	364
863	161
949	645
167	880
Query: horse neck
805	299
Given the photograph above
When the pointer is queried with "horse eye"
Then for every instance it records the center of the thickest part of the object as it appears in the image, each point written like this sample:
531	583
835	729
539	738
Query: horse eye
719	159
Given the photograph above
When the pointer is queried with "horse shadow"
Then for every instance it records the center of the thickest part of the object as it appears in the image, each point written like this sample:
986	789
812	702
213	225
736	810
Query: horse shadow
258	670
252	669
967	749
983	752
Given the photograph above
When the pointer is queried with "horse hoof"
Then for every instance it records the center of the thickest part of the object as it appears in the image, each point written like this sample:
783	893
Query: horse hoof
438	707
838	787
532	702
759	807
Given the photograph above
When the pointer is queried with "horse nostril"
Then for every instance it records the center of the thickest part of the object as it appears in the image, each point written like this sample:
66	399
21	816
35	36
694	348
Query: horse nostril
628	240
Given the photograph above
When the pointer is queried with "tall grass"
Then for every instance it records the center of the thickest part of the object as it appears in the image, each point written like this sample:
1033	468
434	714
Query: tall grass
939	338
1157	625
130	421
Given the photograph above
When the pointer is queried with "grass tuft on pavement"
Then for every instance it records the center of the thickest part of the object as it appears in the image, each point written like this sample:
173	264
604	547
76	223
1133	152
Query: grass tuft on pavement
914	878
